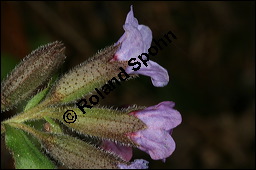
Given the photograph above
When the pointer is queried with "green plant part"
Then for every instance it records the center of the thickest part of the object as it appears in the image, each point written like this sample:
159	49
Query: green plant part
72	152
26	154
103	123
83	79
34	70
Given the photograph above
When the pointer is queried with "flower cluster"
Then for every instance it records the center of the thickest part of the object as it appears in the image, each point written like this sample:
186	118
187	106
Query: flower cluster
156	139
117	131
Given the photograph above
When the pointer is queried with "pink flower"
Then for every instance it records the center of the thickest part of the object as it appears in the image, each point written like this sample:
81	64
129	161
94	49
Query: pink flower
156	140
135	41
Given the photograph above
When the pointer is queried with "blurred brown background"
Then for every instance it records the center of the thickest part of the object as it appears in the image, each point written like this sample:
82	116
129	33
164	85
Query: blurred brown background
211	67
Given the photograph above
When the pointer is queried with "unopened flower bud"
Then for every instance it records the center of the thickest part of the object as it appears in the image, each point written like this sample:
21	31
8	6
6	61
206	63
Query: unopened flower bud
34	70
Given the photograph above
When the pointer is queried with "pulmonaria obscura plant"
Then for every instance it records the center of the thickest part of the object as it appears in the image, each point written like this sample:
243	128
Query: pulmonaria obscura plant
40	137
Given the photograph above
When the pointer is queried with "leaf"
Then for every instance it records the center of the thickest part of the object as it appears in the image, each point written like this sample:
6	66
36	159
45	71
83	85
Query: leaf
26	154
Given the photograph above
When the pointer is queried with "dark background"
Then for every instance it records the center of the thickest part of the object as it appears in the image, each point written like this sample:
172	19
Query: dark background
211	67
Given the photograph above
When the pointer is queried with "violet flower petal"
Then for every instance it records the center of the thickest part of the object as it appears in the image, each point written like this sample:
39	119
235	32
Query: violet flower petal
130	19
157	143
136	164
161	116
131	44
159	75
146	36
156	140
